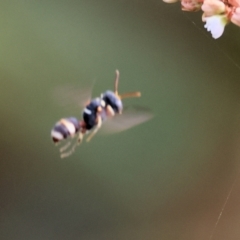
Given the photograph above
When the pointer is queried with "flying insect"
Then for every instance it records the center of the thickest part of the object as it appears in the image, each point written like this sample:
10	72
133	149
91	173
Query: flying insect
108	106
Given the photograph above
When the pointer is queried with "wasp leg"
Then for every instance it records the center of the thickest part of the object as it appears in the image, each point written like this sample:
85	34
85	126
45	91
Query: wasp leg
110	111
63	148
67	154
71	151
99	124
80	138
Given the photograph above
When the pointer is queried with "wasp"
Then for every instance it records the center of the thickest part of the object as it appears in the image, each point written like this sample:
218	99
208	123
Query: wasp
94	114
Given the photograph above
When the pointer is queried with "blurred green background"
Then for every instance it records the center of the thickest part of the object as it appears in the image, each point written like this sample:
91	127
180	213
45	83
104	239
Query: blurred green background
165	179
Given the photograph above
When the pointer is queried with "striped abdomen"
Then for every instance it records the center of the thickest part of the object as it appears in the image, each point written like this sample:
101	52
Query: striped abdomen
64	128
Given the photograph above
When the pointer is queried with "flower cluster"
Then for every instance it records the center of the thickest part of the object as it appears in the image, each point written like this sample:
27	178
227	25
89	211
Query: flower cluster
216	13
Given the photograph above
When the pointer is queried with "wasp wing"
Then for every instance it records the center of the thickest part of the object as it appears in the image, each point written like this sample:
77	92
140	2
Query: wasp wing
131	117
71	96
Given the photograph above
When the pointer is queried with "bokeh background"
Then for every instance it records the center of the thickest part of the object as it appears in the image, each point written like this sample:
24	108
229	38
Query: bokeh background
166	179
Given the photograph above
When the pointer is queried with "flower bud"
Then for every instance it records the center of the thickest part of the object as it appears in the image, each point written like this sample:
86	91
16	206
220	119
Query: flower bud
236	16
191	5
213	7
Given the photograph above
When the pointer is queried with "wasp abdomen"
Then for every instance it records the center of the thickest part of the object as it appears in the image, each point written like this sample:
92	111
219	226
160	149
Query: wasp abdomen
64	128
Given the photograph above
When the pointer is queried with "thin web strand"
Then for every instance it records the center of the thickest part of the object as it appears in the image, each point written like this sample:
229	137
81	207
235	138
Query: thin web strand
235	64
216	45
223	208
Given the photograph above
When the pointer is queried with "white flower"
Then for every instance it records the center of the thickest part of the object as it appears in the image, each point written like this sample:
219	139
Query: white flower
216	24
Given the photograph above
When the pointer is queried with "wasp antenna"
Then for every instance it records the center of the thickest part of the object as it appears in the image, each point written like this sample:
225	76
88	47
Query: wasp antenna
129	95
116	82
